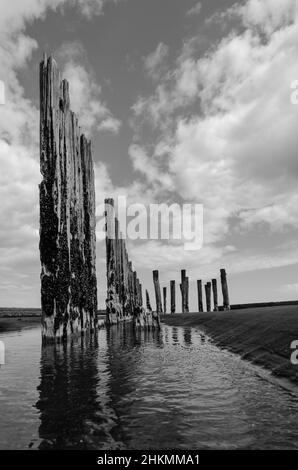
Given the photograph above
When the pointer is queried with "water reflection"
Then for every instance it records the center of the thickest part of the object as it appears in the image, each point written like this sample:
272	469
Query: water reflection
68	393
168	389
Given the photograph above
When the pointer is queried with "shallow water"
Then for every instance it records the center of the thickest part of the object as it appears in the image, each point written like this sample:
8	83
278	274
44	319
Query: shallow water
171	389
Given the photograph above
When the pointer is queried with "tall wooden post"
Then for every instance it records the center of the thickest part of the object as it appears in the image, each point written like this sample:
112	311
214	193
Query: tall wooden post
141	294
215	297
157	292
183	288
173	297
208	296
225	291
131	288
148	304
164	300
67	214
186	295
200	296
135	289
112	297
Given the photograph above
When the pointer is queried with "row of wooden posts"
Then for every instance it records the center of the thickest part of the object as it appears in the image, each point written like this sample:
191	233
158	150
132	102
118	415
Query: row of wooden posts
161	307
124	290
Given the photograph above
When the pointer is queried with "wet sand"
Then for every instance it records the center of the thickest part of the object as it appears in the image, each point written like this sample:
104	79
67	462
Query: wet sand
12	319
17	323
260	335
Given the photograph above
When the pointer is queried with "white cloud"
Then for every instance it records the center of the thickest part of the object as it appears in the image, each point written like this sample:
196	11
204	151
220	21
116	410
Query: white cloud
290	288
85	98
19	152
154	62
237	154
195	10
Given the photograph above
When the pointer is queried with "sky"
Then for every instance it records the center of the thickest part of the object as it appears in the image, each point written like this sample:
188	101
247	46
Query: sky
184	101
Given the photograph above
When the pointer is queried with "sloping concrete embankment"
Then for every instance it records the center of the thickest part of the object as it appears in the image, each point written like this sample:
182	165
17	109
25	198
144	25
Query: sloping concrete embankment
260	335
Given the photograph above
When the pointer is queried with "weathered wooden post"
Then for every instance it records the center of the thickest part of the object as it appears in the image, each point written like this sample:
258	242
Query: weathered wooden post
208	296
124	283
200	295
141	294
184	291
215	297
67	214
117	258
173	297
157	292
148	304
164	300
131	288
225	291
110	258
186	295
135	289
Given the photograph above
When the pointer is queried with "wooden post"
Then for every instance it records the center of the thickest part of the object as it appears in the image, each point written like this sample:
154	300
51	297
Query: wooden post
131	290
117	258
141	294
225	291
208	296
67	214
200	296
135	289
148	304
186	295
182	288
215	297
164	300
157	292
110	259
173	297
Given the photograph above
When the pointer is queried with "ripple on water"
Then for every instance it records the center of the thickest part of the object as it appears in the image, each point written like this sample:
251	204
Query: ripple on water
172	389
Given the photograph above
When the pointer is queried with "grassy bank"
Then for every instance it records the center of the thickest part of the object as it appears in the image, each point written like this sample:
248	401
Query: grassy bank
261	335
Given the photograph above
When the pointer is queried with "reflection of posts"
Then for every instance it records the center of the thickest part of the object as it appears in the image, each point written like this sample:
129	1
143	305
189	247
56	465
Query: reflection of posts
225	291
68	395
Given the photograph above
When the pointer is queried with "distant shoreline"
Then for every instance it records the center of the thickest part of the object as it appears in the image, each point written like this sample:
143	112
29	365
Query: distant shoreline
14	312
261	335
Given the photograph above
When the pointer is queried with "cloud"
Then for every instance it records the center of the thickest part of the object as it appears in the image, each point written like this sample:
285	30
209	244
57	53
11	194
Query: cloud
290	288
16	13
195	10
86	101
232	128
154	62
19	145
